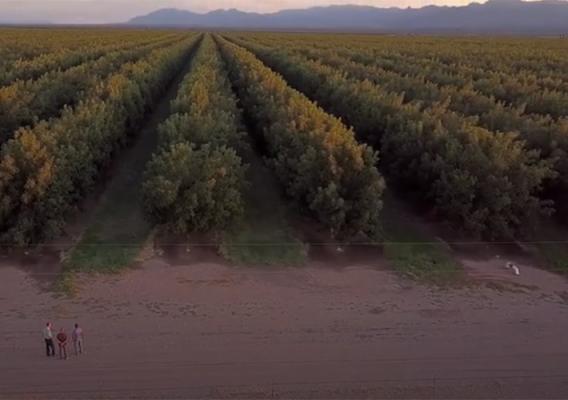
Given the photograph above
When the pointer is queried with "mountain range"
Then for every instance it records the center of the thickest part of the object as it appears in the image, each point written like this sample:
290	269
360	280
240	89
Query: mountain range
494	16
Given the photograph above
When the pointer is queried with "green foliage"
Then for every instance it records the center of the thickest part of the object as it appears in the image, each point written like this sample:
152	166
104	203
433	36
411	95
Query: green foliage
25	102
453	90
415	252
259	245
477	126
264	235
194	189
312	153
27	54
509	70
46	169
556	256
482	182
196	180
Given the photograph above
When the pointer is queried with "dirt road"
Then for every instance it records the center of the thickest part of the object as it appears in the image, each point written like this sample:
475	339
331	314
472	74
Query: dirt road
209	330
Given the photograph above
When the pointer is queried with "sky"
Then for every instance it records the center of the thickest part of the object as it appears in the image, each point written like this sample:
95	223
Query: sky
111	11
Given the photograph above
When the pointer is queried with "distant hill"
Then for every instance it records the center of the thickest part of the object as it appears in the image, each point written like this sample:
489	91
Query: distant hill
495	16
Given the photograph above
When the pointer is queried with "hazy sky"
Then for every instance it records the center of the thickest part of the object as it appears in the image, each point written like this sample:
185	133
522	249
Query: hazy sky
101	11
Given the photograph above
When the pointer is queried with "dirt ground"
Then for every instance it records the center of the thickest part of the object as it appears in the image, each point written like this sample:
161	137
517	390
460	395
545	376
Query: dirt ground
175	329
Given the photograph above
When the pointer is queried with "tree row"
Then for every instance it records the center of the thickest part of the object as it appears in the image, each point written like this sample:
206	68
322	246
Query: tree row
47	169
481	182
17	44
24	103
548	136
539	62
195	181
541	92
63	58
314	155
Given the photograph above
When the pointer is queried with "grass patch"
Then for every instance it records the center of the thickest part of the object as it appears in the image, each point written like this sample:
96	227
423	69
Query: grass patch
412	251
118	229
556	256
117	234
65	284
254	244
263	236
551	242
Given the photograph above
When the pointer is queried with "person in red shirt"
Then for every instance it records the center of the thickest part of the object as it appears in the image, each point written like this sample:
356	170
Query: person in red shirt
62	342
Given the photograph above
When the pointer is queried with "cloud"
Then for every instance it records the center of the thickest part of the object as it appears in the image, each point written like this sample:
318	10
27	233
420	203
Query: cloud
111	11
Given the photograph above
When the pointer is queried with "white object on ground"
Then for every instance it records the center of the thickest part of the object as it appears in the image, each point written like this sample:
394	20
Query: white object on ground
512	266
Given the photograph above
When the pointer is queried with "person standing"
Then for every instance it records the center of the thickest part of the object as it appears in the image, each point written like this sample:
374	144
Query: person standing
48	338
62	342
77	337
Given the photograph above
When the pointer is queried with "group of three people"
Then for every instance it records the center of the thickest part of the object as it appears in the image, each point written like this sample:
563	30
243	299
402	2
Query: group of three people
61	337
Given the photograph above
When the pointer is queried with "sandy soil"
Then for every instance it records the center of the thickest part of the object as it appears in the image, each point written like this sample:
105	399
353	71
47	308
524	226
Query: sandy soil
169	330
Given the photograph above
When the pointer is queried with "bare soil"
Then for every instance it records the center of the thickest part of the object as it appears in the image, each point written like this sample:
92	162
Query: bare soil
180	326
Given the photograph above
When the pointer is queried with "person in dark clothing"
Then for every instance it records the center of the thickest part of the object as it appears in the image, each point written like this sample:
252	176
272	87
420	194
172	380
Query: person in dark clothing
48	338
